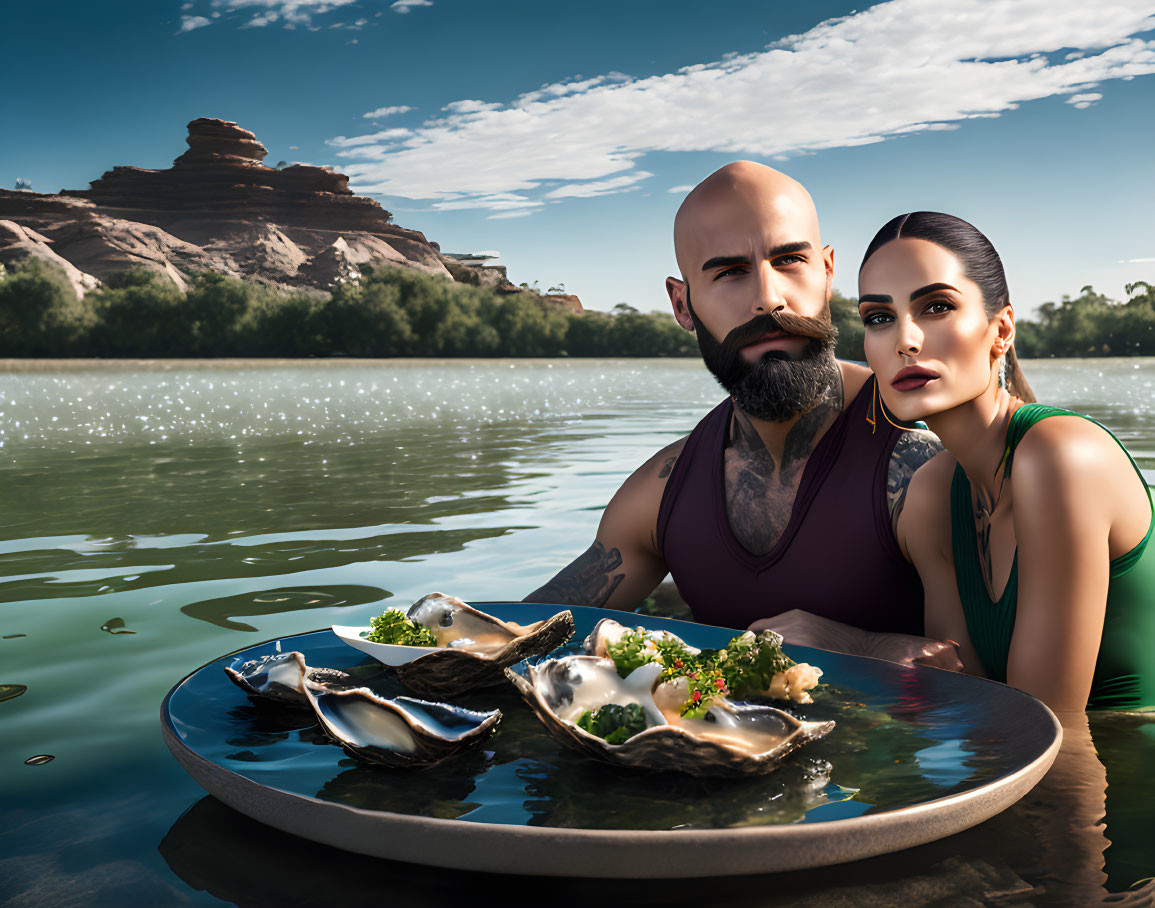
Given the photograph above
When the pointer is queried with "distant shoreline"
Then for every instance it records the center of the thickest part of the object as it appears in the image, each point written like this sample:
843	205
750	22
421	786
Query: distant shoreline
71	364
81	364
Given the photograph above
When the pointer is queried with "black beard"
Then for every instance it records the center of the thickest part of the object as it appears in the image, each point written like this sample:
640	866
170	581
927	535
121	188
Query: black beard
776	388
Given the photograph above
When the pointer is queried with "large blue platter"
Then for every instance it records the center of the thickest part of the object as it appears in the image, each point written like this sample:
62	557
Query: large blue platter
917	754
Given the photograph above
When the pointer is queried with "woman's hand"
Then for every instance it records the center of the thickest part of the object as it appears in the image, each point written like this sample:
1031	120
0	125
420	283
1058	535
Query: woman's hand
804	629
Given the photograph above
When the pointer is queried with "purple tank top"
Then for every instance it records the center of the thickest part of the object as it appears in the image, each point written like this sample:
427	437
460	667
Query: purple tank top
837	556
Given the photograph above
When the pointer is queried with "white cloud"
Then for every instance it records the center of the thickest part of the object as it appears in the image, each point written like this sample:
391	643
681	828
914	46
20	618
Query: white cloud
680	190
1136	261
506	215
469	106
1084	100
292	12
385	135
624	183
188	23
897	68
403	6
382	112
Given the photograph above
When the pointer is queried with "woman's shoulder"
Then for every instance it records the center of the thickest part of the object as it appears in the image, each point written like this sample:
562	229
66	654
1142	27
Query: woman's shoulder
1068	468
1054	445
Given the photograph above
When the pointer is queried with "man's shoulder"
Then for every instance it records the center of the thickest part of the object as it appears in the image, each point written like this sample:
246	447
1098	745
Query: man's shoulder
659	467
913	450
854	376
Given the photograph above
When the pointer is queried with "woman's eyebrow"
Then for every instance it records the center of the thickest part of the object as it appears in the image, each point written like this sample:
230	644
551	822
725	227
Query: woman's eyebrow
875	298
930	288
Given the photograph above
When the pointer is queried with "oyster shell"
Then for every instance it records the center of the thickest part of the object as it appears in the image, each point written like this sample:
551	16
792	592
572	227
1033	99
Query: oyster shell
733	739
473	647
399	731
280	677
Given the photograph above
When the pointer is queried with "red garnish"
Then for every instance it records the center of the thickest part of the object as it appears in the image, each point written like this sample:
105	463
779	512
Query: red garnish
719	683
677	663
697	696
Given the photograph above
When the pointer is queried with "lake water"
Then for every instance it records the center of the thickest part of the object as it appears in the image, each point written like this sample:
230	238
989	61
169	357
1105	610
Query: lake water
157	516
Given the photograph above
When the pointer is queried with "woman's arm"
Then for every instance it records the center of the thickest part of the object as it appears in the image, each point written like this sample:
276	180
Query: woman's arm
1064	505
924	534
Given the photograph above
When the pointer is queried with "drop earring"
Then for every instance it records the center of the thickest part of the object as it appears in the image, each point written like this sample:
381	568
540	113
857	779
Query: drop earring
1003	371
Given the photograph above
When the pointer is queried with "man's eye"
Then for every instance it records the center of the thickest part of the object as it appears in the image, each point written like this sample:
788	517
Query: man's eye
873	319
737	269
788	259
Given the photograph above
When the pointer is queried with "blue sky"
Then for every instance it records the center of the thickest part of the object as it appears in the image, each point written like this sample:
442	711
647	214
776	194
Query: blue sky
559	134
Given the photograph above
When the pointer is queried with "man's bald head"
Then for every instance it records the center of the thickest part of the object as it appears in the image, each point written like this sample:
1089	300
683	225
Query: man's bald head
741	206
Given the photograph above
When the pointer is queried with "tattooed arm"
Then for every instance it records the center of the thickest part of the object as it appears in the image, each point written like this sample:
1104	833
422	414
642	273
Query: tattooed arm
911	451
623	565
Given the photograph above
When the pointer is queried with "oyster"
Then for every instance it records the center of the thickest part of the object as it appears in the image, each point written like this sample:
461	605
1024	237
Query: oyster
280	676
472	647
400	731
792	683
730	739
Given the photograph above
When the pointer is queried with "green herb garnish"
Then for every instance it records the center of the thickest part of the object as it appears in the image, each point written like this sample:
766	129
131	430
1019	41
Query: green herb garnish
613	722
745	666
394	627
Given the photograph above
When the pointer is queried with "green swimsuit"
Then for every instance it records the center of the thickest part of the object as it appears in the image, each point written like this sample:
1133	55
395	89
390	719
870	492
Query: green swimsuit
1125	670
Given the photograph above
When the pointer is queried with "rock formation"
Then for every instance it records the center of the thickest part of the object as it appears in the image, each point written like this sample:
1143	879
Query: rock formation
220	209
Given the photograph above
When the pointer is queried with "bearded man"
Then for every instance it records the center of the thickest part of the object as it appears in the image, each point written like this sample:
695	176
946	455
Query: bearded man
784	498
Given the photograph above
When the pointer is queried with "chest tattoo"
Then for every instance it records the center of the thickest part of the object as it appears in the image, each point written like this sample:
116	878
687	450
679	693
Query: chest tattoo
760	491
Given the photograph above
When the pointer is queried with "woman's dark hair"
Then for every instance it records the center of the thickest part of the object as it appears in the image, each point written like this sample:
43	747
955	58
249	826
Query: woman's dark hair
981	264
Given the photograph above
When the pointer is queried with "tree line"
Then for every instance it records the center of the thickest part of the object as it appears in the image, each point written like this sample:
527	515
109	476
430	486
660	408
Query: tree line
394	312
389	312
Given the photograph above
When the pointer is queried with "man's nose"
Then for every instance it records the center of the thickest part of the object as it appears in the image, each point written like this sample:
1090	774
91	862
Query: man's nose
768	295
909	337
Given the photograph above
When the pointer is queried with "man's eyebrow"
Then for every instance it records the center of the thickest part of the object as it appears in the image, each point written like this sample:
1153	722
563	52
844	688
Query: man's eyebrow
786	248
875	298
725	261
930	288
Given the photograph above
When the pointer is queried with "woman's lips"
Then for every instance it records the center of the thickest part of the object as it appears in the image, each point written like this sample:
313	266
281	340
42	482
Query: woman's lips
912	377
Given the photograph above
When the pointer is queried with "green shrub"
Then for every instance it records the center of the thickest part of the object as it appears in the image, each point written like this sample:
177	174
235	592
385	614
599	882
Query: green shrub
40	314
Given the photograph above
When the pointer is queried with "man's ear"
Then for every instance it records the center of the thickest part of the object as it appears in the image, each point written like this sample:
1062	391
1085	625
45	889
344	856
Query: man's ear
828	264
677	290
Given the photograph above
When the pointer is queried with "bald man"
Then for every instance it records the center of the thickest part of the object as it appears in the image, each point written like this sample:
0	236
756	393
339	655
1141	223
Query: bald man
784	497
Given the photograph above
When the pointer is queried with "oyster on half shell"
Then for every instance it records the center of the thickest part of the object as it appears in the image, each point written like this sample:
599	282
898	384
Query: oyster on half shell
732	739
472	648
398	731
793	683
280	676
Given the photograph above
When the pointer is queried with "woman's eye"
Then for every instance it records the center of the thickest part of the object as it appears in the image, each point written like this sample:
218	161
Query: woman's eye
939	306
873	319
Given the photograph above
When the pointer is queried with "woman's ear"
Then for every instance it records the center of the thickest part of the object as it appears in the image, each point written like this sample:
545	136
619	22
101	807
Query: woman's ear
1005	322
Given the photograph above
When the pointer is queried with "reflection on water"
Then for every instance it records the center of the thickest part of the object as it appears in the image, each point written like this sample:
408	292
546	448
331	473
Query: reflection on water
201	506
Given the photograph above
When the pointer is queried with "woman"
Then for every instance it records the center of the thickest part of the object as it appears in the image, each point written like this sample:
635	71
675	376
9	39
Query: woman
1031	531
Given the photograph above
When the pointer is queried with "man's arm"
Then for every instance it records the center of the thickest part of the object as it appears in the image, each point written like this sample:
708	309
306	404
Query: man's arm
623	565
911	451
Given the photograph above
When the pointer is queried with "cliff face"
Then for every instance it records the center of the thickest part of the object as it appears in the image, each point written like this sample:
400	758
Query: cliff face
220	209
